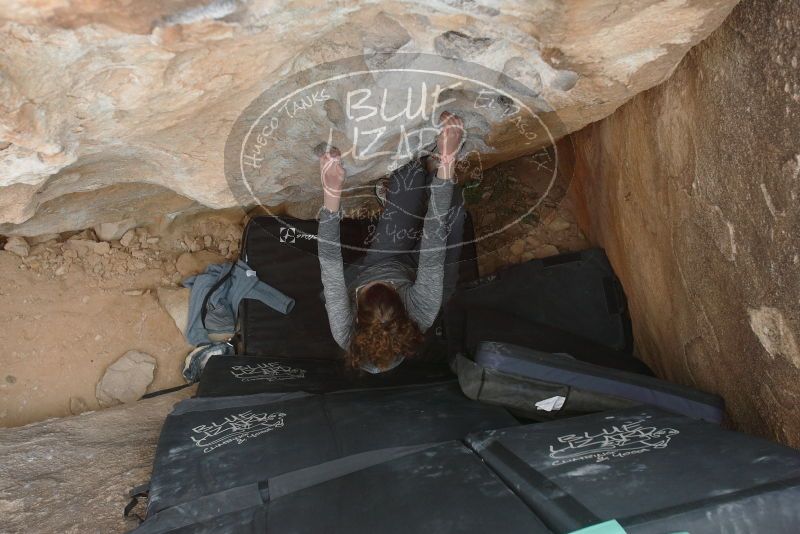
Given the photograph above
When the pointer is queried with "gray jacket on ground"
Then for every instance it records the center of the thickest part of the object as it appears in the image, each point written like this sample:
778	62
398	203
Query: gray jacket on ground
222	307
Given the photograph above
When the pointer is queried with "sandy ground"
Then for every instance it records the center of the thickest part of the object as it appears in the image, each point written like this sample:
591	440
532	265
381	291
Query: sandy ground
75	304
60	334
68	312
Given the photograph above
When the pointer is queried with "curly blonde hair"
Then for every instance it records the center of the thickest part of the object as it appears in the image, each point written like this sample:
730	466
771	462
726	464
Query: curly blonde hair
383	329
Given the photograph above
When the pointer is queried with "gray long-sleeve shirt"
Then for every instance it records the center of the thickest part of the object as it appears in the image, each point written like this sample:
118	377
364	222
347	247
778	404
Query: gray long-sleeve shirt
420	290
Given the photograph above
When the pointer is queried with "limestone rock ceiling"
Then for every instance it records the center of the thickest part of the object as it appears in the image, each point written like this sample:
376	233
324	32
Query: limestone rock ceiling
117	109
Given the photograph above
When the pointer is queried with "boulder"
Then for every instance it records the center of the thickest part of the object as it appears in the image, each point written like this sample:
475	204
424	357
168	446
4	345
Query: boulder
72	475
559	225
126	379
102	247
82	247
113	231
192	263
175	302
43	238
18	246
127	238
545	251
134	124
692	189
518	247
77	405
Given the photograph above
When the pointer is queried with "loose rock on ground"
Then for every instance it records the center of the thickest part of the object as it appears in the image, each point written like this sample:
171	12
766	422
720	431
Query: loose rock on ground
126	380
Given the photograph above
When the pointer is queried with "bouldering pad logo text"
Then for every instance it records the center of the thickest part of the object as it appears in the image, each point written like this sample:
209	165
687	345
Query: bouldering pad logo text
236	429
615	442
268	372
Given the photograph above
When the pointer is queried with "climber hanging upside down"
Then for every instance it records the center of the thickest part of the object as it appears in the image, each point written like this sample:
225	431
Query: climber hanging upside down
379	308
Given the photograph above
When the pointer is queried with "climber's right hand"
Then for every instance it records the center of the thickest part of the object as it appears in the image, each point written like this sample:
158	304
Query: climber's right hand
332	175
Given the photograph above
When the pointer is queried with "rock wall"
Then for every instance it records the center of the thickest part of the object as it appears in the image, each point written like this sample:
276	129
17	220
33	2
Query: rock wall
116	109
72	475
692	187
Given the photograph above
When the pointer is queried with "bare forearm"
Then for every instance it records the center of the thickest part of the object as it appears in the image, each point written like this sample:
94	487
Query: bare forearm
331	200
332	175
